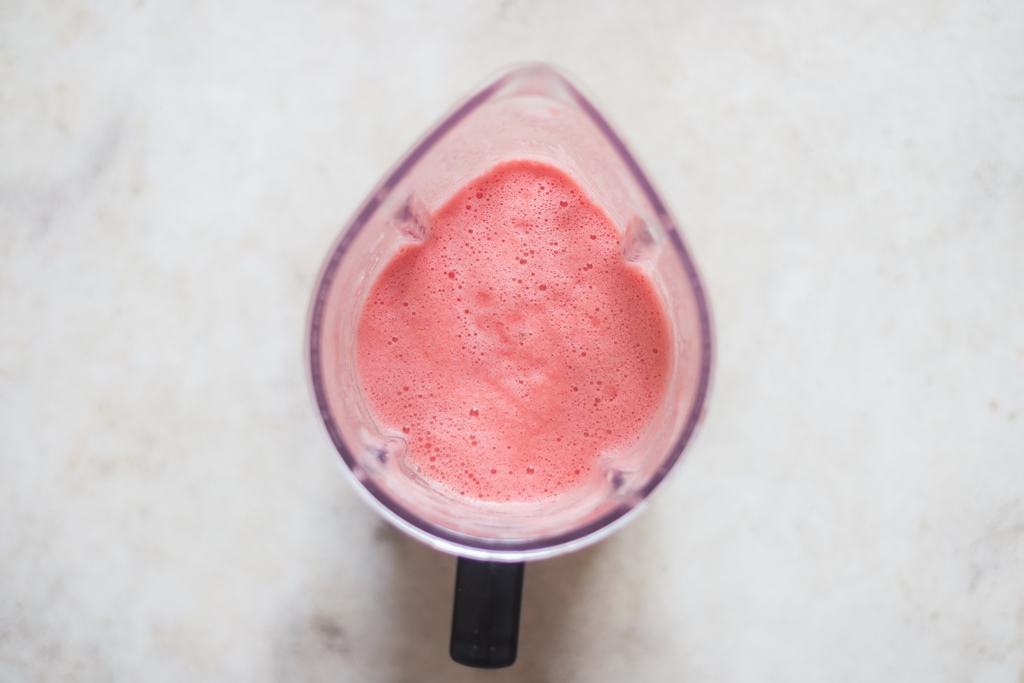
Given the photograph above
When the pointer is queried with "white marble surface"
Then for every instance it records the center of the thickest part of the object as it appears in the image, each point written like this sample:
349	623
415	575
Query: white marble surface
852	179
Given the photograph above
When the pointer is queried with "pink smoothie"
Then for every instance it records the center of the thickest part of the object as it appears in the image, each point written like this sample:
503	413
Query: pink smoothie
514	345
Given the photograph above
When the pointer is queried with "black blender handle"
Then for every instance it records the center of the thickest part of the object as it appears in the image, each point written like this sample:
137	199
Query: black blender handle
485	619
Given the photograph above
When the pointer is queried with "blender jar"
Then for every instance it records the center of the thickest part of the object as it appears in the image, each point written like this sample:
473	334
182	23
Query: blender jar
534	113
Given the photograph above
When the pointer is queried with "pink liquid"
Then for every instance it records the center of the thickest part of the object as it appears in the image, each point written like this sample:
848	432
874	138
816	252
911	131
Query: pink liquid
514	345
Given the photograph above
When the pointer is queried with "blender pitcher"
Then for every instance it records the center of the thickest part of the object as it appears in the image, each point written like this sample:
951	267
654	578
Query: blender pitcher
535	113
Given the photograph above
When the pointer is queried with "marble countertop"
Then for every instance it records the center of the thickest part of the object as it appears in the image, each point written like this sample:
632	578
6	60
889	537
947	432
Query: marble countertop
851	179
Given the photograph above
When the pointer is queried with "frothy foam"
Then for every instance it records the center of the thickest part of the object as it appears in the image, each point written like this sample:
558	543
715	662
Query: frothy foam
514	345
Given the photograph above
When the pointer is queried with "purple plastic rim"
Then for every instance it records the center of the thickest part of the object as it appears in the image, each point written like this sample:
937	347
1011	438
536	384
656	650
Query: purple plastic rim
392	509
